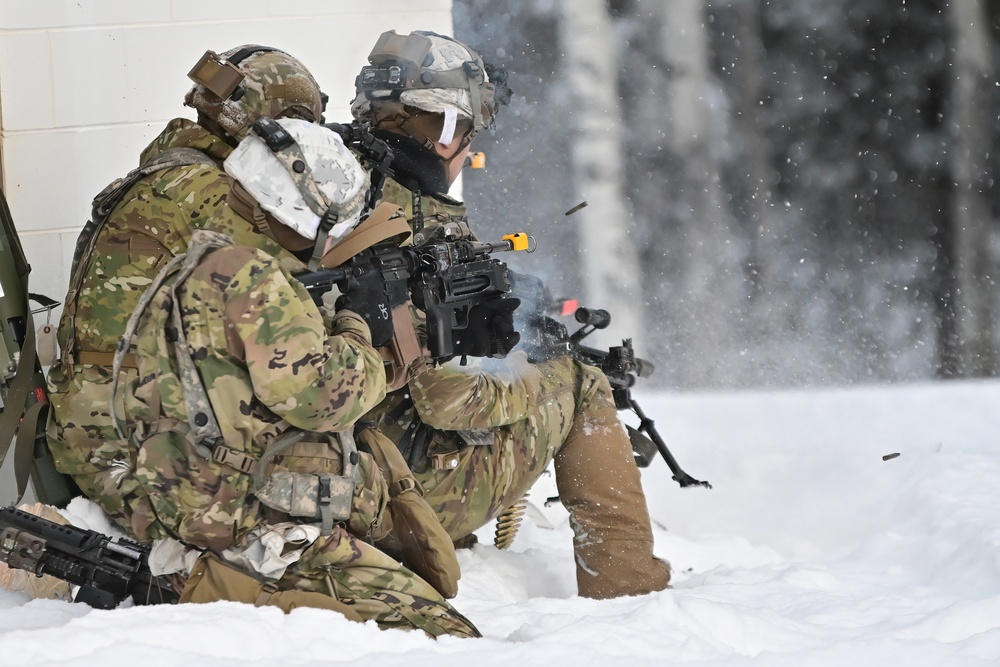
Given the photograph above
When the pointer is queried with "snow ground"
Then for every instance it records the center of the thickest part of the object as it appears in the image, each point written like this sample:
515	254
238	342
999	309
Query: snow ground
810	550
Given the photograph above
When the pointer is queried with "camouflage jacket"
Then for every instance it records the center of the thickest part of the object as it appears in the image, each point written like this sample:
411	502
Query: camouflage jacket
152	223
258	349
460	404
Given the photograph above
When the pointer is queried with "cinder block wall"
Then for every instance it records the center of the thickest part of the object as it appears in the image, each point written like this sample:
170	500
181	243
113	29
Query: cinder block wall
86	84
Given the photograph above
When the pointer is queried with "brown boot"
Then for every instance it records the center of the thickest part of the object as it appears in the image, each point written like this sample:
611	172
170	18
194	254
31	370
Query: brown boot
599	484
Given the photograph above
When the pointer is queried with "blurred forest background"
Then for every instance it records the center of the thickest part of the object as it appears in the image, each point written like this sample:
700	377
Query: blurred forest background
780	192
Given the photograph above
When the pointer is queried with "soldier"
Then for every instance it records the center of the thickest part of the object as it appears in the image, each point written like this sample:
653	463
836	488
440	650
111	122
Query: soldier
142	221
241	388
478	442
236	382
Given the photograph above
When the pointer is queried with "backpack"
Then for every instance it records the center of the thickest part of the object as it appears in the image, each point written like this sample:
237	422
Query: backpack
201	490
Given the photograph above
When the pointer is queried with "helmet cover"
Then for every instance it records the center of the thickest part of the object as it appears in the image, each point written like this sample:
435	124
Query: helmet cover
311	177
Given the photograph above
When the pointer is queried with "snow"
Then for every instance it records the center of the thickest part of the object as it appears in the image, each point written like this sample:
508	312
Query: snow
810	550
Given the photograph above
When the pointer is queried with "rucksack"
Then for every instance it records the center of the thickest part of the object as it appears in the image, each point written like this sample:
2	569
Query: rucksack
201	490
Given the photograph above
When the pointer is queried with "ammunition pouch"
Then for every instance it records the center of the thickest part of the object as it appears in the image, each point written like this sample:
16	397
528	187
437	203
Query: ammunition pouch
326	481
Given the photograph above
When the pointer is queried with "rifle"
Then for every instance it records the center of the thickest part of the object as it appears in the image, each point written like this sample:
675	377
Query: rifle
545	338
107	570
445	279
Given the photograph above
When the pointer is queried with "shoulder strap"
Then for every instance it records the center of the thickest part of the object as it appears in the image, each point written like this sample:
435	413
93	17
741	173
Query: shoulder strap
25	407
200	415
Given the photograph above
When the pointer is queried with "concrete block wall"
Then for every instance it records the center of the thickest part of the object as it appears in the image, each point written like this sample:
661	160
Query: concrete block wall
85	85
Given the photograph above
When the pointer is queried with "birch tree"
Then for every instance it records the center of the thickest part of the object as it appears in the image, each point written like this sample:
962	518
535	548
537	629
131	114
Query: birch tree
711	276
969	349
609	262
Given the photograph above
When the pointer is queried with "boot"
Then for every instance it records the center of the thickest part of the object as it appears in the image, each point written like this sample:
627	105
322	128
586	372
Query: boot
599	484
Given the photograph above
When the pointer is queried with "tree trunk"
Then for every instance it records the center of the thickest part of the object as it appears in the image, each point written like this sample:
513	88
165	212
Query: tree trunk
610	266
970	350
711	279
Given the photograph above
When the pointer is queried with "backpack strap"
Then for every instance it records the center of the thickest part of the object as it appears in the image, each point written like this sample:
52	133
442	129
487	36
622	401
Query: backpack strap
200	415
25	407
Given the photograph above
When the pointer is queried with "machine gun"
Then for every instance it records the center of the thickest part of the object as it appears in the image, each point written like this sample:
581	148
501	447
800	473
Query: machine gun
107	570
445	279
544	337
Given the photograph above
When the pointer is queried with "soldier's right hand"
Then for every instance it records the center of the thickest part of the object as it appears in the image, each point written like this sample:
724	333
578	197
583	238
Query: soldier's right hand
365	295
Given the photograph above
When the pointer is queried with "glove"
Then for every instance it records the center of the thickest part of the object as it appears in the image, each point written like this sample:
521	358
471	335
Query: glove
365	296
490	332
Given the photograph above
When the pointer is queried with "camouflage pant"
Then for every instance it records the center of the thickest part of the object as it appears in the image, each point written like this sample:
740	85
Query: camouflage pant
375	586
366	583
341	573
468	486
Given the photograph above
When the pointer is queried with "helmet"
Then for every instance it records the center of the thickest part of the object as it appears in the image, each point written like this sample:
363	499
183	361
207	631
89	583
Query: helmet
303	175
432	73
246	83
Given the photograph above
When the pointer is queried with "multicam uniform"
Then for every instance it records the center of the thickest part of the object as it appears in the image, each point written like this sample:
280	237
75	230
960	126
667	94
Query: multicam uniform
259	392
152	223
491	435
268	368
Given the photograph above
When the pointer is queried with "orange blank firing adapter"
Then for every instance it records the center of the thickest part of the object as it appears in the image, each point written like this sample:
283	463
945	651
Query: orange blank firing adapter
518	241
476	161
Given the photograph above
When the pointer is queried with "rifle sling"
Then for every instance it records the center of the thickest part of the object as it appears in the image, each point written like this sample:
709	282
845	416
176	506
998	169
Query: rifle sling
384	224
17	398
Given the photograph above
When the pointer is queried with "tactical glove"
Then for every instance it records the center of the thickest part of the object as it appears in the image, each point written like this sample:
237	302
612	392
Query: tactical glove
490	332
365	295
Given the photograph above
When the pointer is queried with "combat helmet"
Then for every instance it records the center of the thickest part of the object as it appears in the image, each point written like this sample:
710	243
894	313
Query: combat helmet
249	82
428	72
303	175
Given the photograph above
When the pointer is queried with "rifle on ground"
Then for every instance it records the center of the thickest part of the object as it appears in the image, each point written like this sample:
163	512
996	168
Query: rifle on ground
445	279
544	337
107	570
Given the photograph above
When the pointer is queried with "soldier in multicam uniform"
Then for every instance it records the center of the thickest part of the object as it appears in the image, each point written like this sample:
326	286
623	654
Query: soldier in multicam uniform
139	224
227	426
492	435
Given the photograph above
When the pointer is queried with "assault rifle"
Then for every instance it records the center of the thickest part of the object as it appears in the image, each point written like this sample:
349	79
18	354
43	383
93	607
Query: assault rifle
445	279
544	337
107	570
